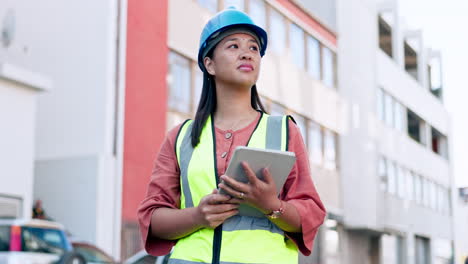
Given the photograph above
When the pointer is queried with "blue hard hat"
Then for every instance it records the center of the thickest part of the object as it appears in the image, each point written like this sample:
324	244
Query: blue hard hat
229	18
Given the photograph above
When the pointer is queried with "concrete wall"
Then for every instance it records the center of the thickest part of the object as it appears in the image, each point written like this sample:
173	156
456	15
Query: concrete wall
357	32
461	225
74	43
17	124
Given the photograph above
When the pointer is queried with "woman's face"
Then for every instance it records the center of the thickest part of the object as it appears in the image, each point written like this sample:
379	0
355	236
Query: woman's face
236	60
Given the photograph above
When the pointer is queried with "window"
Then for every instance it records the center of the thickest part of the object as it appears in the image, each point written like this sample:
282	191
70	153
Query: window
385	36
198	86
277	109
301	122
418	190
380	104
399	115
409	185
427	192
328	67
277	34
439	143
421	250
211	5
296	45
392	181
401	181
179	83
383	173
435	76
416	127
313	57
411	61
258	12
440	199
329	148
389	110
315	143
332	239
433	193
401	250
4	238
239	4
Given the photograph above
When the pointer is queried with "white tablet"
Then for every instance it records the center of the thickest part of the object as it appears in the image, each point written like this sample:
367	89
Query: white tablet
279	163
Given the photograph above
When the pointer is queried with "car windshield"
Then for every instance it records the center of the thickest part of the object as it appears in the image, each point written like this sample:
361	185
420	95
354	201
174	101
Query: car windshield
92	255
4	238
44	240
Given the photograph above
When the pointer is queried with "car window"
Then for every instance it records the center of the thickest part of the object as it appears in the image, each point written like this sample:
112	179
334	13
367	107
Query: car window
4	238
92	255
148	259
43	240
166	259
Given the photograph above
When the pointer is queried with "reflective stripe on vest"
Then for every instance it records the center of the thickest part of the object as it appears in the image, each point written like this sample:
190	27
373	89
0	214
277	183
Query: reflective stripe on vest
244	239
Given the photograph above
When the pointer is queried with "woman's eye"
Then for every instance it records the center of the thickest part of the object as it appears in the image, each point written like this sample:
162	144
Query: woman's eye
254	48
233	46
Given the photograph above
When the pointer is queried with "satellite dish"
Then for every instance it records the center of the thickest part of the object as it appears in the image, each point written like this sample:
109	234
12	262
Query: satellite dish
8	28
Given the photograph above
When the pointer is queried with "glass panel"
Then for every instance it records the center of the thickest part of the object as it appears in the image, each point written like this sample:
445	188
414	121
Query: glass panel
211	5
401	182
380	104
389	110
328	67
301	122
239	4
179	83
313	57
258	12
329	146
391	183
315	143
409	185
43	240
277	33
399	116
418	189
427	194
383	173
4	238
198	86
296	45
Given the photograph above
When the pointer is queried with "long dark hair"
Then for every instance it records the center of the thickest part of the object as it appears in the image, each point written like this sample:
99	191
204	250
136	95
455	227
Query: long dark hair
207	104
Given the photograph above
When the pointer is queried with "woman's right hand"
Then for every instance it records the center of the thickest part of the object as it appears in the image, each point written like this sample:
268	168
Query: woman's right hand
215	208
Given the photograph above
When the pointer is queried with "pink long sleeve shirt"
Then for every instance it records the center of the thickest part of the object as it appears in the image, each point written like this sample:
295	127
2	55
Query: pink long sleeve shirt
164	187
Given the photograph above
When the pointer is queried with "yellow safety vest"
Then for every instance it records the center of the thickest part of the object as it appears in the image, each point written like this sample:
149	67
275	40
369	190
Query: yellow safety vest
240	239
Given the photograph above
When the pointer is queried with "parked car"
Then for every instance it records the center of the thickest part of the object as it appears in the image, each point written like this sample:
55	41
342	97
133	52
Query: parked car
34	241
91	253
142	257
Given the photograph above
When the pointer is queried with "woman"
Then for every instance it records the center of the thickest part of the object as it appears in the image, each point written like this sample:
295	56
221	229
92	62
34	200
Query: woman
183	207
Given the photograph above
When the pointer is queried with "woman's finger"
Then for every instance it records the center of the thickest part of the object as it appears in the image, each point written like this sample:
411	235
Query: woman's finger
250	174
267	176
236	185
231	191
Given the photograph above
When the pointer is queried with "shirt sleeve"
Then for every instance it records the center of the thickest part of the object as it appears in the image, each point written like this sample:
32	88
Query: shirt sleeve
299	190
163	191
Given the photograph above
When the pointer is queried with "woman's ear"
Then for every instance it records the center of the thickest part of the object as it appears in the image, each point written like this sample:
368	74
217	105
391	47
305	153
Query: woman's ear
209	65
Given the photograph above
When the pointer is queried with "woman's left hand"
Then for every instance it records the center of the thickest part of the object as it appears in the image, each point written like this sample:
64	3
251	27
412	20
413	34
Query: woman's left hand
260	194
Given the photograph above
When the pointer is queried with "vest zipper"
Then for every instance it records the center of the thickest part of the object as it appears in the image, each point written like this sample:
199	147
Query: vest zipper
218	232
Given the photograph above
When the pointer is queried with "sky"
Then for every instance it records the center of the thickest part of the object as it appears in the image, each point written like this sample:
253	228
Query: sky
445	28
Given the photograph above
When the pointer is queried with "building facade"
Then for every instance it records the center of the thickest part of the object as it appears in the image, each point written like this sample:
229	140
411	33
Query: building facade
367	99
395	166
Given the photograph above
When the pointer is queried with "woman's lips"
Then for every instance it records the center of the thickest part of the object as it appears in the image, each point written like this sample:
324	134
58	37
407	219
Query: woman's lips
246	67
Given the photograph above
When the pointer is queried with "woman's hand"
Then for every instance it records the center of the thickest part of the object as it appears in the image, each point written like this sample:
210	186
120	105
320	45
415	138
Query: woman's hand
215	208
260	194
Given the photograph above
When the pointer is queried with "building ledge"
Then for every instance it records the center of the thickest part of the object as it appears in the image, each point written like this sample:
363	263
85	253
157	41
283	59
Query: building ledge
25	77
